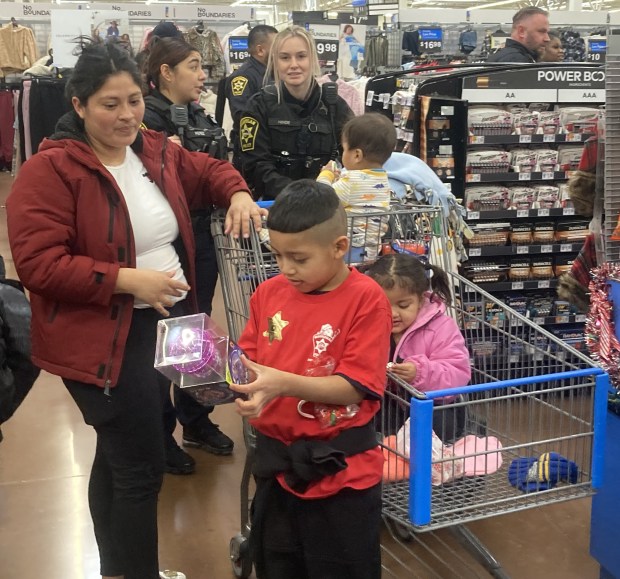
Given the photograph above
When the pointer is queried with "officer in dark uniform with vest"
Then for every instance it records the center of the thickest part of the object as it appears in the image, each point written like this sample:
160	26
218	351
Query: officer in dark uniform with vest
292	128
174	72
249	78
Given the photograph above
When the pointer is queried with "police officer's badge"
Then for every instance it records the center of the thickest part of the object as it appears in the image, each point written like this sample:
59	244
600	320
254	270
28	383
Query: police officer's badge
238	85
248	129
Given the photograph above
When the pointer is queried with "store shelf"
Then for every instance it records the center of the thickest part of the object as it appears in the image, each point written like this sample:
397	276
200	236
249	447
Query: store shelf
520	213
541	321
517	177
527	139
495	251
506	286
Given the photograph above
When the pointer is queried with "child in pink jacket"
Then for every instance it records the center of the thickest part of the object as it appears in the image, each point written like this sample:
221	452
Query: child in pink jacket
428	349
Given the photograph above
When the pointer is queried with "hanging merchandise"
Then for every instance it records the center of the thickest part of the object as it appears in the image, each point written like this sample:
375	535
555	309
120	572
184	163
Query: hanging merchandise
468	41
573	45
18	48
411	42
376	50
7	131
207	43
498	39
227	47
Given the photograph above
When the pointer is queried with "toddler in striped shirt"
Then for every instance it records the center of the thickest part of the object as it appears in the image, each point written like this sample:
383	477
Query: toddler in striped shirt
367	142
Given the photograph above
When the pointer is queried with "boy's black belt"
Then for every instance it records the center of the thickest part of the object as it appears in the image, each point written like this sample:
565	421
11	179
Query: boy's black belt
306	461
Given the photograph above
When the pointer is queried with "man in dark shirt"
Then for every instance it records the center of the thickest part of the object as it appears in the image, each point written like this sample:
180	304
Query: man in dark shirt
530	35
248	79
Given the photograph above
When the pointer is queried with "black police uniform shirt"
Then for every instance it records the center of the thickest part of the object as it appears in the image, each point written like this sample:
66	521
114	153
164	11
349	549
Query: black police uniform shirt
282	142
513	52
157	118
242	84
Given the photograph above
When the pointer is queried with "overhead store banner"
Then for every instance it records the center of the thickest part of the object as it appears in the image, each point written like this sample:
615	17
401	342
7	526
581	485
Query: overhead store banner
557	84
136	11
67	25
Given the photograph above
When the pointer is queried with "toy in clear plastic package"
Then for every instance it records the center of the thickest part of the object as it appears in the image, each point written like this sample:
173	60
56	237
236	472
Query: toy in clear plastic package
195	353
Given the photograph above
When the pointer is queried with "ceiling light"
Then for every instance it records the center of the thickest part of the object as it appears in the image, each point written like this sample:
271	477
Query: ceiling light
493	4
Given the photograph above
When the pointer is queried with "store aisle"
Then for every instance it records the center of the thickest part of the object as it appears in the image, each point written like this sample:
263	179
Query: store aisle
46	533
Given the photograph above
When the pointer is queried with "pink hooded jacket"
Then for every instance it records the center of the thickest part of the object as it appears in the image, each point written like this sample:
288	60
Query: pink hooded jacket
436	346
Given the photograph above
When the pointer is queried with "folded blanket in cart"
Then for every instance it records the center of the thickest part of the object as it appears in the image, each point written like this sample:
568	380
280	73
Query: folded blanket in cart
542	473
470	456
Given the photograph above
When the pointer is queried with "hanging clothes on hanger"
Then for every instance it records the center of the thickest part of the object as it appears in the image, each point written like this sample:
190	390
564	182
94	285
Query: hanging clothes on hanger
208	45
7	131
468	40
243	30
18	48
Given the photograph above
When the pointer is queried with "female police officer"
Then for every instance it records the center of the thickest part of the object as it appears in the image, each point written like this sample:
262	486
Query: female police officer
291	128
175	76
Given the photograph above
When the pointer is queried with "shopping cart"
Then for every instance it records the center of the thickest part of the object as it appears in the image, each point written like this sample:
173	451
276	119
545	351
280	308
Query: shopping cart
532	393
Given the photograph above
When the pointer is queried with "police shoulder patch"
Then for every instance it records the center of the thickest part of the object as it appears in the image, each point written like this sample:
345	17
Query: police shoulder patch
238	85
248	129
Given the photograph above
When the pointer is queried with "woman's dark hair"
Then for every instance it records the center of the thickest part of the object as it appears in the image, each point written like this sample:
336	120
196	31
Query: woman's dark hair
170	51
98	62
411	274
348	27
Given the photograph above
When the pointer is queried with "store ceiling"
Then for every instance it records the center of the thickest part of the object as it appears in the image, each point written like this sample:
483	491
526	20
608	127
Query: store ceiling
345	5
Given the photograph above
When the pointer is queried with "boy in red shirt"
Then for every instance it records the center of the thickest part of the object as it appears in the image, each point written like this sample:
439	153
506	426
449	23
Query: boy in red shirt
317	344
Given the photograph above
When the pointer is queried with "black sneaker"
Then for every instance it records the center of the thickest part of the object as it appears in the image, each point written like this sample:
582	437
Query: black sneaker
177	460
209	437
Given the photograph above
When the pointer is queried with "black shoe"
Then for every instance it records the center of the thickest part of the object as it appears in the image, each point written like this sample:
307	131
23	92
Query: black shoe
209	437
177	460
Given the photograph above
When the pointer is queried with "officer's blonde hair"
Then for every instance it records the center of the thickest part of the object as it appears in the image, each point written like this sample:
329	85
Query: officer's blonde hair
272	69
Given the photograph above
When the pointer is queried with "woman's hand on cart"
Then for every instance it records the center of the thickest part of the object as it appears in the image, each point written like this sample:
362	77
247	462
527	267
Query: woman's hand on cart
243	209
407	370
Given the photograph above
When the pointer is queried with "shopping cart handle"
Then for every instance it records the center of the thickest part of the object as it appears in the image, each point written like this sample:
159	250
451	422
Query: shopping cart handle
265	204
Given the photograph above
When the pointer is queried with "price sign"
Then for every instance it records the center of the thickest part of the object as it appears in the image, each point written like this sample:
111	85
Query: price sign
597	49
238	49
430	40
327	50
327	42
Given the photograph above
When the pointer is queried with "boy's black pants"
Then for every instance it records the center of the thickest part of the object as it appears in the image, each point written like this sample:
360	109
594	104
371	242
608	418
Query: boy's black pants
332	538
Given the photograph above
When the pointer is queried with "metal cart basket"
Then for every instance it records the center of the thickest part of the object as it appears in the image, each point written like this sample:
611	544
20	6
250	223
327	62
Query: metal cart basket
531	392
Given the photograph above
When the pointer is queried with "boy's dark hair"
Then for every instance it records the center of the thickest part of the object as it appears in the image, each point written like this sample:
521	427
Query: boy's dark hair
259	34
97	63
374	134
304	204
408	272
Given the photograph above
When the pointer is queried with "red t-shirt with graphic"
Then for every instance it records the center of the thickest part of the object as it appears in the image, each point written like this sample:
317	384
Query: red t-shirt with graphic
346	332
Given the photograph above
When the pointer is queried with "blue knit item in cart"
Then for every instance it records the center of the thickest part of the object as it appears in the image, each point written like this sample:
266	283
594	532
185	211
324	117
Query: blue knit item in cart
542	473
406	170
410	176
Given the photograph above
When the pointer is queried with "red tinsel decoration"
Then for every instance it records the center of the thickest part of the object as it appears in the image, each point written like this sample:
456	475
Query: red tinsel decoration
601	337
